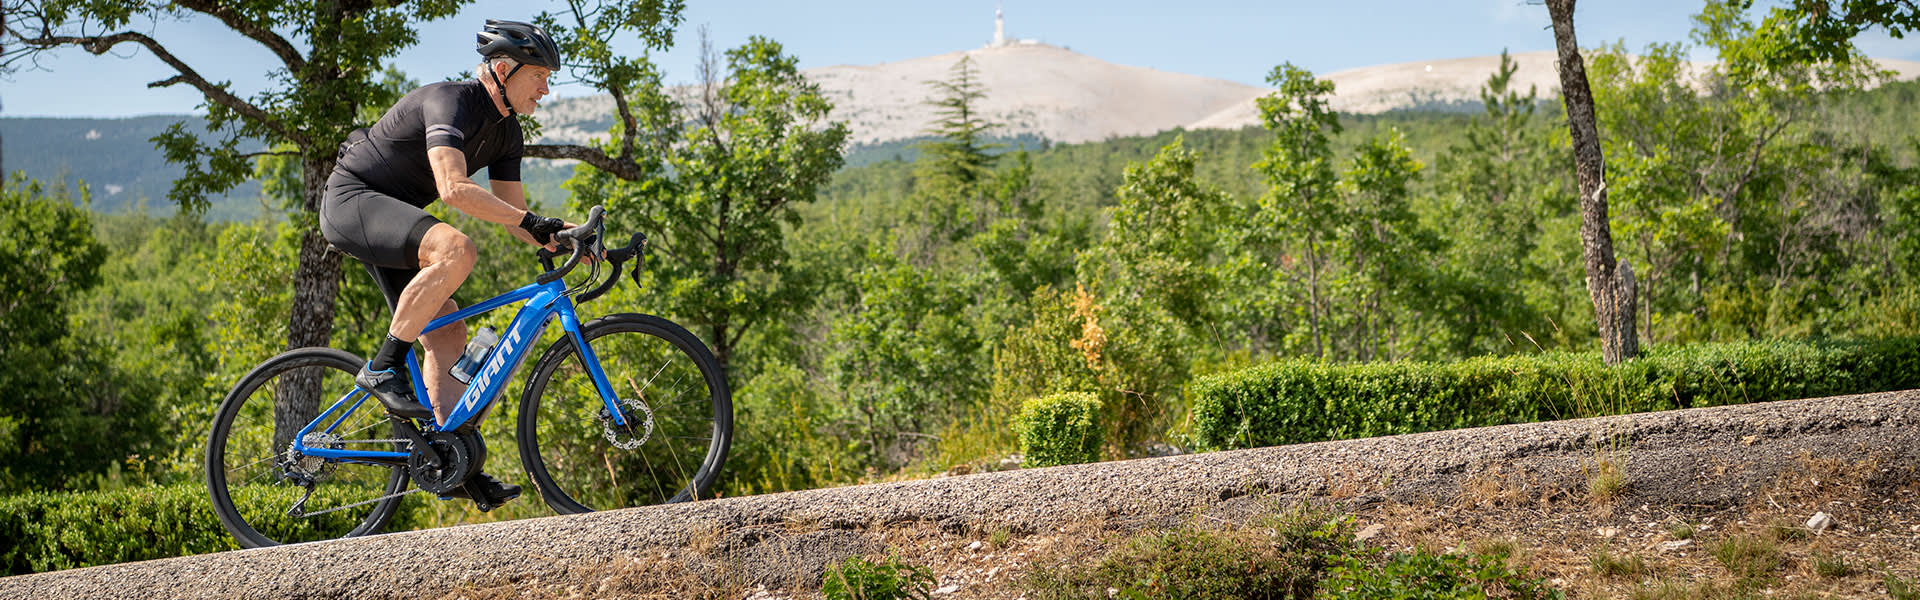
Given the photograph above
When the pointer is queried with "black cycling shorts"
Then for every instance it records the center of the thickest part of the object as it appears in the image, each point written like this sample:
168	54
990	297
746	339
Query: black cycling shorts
381	231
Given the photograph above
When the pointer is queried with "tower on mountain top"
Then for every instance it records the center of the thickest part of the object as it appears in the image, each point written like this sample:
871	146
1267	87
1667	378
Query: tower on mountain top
1000	39
999	27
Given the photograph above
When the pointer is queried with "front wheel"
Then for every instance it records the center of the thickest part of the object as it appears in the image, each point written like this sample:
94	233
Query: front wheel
677	409
265	492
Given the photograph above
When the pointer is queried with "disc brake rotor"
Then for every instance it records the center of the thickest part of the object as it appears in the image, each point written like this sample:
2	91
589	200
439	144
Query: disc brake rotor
626	437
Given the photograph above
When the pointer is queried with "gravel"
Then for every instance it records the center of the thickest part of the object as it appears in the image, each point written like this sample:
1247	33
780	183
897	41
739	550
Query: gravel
1697	456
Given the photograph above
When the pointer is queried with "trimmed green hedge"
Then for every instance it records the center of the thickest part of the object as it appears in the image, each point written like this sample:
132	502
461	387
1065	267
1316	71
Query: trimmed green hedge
1062	429
1298	401
49	531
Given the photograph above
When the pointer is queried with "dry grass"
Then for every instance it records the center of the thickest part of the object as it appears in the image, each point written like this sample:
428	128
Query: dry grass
1620	548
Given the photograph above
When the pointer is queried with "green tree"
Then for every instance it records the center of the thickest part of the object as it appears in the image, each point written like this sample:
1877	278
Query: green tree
66	415
953	188
908	356
720	193
320	85
1294	222
1804	32
1160	247
1491	194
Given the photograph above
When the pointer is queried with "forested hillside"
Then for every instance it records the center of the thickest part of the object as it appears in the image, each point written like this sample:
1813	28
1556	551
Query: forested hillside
927	291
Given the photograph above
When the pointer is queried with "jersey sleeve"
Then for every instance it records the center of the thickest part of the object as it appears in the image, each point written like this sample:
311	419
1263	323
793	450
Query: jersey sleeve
447	124
507	167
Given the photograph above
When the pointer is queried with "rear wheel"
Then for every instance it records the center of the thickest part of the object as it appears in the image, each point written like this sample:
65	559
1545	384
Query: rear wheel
678	409
263	491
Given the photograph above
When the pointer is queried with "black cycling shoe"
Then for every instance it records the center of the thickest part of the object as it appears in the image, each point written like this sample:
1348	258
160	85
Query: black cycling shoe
395	390
493	492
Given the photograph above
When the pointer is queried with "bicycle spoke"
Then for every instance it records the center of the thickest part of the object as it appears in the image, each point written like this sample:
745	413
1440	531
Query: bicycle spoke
659	381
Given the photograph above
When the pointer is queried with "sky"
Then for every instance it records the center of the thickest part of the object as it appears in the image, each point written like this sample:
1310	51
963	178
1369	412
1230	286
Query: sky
1236	40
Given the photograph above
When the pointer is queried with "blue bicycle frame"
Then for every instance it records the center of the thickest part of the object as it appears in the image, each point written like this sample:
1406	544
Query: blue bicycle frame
544	301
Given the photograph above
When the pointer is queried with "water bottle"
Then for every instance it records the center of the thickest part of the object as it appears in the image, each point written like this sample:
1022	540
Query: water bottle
476	355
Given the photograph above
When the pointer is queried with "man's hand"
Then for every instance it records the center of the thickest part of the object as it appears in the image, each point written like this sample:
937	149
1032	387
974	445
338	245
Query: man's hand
541	229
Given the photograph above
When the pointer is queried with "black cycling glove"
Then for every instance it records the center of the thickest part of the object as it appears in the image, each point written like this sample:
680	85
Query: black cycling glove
542	228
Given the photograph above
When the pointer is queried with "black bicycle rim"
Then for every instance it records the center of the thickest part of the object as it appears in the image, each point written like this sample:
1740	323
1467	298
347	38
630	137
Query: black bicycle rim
563	435
253	486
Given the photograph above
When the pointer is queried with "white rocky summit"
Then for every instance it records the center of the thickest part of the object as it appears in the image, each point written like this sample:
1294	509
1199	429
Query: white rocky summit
1034	88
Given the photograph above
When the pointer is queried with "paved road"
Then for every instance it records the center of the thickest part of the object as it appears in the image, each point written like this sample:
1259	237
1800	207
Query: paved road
1668	454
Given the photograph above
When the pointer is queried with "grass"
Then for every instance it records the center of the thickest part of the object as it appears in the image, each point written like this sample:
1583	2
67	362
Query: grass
1748	556
1606	480
1786	530
1606	564
1832	566
1901	589
1682	530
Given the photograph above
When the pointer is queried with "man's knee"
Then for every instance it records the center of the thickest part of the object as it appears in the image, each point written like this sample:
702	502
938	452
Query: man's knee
444	245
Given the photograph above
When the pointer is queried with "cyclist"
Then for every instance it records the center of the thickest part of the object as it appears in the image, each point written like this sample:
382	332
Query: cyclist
427	147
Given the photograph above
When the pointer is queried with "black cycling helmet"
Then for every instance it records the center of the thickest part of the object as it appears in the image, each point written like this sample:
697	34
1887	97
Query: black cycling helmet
519	41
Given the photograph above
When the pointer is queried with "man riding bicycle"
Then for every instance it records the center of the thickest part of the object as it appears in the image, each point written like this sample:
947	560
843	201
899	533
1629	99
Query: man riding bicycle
427	147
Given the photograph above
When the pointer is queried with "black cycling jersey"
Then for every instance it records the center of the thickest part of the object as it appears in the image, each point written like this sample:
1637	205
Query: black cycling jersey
391	156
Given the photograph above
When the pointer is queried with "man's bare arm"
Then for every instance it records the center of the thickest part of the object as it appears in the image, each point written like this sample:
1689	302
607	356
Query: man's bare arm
458	190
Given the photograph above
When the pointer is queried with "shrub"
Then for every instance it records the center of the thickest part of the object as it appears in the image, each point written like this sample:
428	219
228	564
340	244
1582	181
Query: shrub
858	579
1423	574
1196	563
1062	429
43	531
1298	401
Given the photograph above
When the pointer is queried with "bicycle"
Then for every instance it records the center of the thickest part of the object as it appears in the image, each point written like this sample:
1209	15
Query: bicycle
614	414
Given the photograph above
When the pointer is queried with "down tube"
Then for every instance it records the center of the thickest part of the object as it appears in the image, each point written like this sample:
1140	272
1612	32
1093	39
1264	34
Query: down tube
592	361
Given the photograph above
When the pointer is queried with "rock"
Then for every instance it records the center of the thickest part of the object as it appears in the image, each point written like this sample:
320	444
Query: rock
1607	532
1820	522
974	546
950	588
1372	531
1674	545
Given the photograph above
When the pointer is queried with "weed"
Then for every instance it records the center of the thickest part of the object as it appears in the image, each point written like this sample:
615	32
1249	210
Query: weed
1785	530
1606	480
1682	530
891	579
1606	564
999	537
1901	589
1282	555
1747	555
1672	590
1832	566
1424	574
1493	547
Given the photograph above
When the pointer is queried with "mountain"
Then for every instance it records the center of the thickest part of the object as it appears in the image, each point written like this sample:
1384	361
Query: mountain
1041	91
1033	91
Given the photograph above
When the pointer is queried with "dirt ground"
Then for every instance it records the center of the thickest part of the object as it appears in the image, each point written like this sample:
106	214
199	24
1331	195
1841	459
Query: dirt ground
1655	513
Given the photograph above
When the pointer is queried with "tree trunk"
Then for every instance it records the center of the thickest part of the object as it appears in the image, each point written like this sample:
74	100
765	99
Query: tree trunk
310	320
1612	301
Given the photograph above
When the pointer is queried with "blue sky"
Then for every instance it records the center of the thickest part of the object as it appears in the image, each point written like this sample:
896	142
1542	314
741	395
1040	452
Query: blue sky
1237	40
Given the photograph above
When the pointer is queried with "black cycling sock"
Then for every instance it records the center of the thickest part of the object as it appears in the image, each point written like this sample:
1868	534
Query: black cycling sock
392	354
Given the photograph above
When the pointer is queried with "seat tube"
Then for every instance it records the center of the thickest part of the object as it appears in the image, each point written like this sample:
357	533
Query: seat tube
571	324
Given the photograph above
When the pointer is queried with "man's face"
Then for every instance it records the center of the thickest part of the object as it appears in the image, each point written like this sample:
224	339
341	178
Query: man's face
527	87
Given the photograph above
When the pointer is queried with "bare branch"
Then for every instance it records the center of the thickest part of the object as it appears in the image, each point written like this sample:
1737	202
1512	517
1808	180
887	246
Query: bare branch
278	45
102	44
623	167
265	153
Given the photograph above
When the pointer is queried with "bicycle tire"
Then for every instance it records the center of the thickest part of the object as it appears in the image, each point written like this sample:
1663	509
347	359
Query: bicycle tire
223	442
561	426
